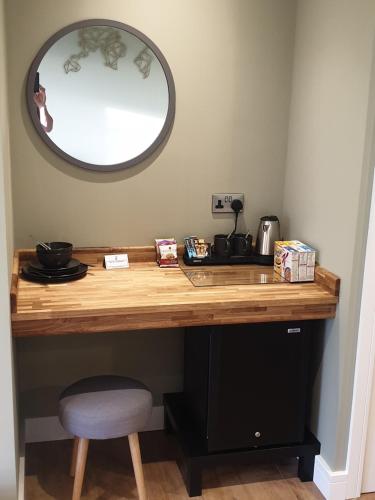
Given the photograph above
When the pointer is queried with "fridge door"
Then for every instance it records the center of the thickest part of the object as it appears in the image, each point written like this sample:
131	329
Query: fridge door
257	385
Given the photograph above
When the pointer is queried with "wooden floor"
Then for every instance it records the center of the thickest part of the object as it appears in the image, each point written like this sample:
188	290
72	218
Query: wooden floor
109	474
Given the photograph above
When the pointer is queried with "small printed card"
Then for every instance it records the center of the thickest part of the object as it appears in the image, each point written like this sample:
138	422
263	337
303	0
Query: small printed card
119	261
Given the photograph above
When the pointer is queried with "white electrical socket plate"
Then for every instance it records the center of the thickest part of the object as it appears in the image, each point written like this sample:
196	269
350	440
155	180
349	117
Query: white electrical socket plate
221	202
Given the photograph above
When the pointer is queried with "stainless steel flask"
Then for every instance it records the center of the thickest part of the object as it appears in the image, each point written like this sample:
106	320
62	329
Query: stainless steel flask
268	233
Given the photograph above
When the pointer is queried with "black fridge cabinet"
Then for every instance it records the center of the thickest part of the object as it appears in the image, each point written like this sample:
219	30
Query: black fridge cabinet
246	395
246	385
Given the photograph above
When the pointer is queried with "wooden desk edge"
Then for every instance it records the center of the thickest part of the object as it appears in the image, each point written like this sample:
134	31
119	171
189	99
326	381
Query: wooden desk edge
79	324
149	321
14	282
327	280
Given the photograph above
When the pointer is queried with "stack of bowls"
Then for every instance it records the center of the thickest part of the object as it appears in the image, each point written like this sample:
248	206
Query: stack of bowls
54	264
59	255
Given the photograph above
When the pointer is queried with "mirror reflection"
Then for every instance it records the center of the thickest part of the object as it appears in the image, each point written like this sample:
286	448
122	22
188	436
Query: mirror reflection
101	95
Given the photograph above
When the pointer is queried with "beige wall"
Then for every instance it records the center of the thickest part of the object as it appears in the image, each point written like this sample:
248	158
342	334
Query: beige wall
8	417
4	130
231	63
327	183
47	365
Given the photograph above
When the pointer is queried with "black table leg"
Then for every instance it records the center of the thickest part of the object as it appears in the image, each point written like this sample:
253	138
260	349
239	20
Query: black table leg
193	478
306	467
168	429
194	456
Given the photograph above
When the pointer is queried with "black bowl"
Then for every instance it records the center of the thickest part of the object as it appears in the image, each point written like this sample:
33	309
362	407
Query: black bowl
59	255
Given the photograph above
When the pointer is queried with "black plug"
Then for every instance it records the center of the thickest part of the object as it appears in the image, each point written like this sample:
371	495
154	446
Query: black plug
236	206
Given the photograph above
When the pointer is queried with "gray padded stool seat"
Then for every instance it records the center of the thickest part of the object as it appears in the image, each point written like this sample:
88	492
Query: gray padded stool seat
105	407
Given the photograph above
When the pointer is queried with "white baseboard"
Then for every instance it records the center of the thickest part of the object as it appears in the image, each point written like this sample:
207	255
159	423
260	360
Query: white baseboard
49	428
21	460
21	478
332	484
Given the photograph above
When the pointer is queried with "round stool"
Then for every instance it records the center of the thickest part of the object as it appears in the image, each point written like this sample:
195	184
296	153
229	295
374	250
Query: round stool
105	407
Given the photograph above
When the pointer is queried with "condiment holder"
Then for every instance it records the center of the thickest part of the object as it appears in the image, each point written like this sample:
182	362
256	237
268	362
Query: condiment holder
227	249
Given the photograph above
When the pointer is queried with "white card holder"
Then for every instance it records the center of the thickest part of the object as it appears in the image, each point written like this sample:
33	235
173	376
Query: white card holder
117	261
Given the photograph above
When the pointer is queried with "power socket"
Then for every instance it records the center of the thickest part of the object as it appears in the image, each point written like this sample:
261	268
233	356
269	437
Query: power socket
221	202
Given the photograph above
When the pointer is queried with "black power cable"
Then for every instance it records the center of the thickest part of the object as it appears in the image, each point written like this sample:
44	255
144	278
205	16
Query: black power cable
236	206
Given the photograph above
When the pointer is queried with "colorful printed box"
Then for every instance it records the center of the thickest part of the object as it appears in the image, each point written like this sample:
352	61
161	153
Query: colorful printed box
294	260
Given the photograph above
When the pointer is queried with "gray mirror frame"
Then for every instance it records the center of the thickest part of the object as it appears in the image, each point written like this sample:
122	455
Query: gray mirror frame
171	90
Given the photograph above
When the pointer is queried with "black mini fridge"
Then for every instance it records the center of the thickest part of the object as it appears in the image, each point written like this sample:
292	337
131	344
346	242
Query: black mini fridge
246	385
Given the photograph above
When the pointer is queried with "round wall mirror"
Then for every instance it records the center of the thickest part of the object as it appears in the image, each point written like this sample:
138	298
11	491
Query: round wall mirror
101	95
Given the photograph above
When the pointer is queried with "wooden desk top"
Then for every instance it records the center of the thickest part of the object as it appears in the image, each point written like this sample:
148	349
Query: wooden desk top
145	296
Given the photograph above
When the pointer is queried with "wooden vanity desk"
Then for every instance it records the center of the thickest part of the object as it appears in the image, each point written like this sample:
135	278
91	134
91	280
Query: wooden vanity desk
253	337
145	297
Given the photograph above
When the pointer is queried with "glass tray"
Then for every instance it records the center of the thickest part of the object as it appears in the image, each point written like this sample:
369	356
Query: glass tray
232	275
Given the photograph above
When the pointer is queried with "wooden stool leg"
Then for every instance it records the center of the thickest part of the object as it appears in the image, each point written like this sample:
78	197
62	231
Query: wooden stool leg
83	445
74	457
137	465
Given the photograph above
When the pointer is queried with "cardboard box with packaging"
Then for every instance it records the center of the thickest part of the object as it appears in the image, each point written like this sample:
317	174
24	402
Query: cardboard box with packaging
294	260
166	252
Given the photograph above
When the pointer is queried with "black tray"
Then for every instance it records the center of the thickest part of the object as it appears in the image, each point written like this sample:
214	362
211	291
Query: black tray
41	277
71	267
213	260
